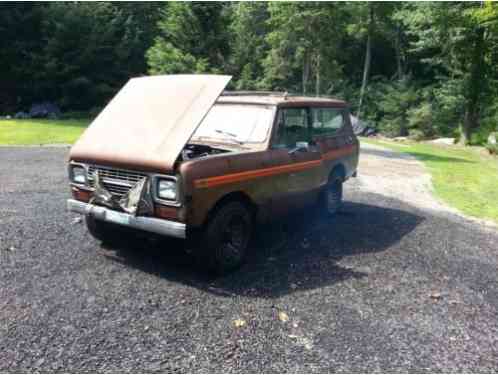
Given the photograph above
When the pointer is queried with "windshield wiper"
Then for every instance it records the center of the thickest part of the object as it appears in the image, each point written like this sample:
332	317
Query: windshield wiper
232	136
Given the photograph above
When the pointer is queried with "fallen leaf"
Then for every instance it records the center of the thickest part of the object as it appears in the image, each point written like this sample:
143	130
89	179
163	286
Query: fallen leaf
283	317
435	295
239	323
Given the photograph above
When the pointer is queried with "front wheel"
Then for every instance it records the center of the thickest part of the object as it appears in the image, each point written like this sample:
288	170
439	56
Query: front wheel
101	230
226	238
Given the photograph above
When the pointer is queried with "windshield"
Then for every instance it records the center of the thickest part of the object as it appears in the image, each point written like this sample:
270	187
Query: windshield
236	123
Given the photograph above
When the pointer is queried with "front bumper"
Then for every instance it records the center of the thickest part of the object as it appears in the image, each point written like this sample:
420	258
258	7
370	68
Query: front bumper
149	224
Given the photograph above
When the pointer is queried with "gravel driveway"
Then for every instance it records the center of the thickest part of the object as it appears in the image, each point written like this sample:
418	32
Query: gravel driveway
391	284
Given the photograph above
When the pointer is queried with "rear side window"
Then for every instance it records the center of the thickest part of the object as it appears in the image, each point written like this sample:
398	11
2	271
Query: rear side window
327	121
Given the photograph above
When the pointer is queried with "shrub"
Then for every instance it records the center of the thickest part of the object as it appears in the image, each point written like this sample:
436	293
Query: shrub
70	115
416	135
492	144
492	148
420	122
395	101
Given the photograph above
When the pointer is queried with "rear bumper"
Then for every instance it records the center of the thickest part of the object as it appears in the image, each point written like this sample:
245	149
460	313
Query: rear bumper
149	224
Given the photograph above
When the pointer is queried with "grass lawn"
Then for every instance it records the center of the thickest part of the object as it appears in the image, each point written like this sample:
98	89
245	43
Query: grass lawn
464	177
35	132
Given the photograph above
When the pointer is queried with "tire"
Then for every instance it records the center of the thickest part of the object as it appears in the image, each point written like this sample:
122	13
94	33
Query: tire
102	231
225	239
332	196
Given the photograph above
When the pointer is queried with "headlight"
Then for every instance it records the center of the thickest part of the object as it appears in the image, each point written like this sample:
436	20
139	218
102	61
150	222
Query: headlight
166	189
78	174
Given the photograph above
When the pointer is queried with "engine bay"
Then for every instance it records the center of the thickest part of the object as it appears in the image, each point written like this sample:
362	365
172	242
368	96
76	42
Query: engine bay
194	151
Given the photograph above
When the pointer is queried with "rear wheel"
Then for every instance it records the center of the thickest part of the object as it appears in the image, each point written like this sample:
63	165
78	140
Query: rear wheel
226	238
332	197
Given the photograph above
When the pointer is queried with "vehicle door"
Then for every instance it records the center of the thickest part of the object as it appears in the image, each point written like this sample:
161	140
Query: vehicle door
332	132
296	161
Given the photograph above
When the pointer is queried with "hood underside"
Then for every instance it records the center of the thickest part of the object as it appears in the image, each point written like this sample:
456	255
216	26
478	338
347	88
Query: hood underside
147	124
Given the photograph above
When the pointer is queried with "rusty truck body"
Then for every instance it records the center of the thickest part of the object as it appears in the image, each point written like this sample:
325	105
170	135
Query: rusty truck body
179	156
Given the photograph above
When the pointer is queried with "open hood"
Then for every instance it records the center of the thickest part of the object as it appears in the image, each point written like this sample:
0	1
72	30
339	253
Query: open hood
149	121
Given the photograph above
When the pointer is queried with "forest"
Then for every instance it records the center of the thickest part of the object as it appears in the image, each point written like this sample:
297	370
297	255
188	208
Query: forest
420	70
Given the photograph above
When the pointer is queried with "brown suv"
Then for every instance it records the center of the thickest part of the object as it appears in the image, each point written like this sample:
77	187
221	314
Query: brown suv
178	156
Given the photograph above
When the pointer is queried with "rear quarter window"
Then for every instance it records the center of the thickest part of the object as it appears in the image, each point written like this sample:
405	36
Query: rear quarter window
327	121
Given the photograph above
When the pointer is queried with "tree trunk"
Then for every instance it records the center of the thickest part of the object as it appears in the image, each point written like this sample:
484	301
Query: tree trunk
306	71
475	89
464	129
318	82
368	58
399	53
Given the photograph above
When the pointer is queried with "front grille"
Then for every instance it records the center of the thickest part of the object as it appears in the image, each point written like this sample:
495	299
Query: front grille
116	181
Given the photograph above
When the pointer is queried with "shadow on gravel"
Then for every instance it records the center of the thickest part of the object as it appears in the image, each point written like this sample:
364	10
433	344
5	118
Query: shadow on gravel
300	254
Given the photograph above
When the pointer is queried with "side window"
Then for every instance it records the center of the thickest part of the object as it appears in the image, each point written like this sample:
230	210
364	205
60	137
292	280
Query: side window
327	121
292	127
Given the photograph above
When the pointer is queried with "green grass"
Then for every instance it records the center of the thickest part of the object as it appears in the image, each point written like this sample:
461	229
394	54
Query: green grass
464	177
36	132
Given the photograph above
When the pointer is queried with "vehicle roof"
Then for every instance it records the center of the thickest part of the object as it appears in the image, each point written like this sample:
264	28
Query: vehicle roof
278	99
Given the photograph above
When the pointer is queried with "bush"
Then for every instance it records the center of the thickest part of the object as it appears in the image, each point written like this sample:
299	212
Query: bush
396	99
492	144
77	93
492	148
416	135
71	115
420	122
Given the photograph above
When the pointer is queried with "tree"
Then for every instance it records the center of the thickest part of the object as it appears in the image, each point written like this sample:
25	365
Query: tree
412	68
368	55
248	29
192	39
78	54
455	42
396	100
21	42
302	37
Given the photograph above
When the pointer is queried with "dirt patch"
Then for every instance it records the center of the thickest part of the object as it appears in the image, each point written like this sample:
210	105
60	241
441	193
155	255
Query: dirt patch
397	175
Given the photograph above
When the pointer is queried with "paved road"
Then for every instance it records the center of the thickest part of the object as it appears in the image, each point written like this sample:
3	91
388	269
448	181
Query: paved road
386	286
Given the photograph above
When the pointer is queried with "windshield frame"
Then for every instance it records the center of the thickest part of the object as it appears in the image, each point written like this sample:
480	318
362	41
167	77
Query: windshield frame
233	142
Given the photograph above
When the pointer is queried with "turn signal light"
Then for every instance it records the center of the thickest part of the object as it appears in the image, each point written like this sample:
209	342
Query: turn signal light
81	195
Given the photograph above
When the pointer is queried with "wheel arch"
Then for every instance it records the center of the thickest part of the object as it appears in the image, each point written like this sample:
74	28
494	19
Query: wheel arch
234	196
338	169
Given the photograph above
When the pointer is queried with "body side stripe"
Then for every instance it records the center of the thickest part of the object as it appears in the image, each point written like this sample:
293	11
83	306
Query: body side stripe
271	171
